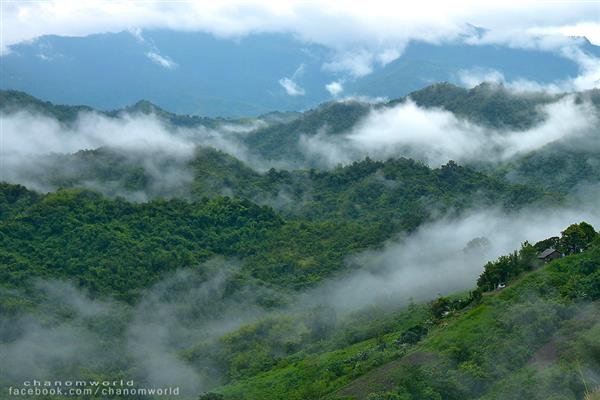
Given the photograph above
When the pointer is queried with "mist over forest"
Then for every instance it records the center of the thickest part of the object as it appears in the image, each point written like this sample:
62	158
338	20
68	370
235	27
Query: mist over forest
371	212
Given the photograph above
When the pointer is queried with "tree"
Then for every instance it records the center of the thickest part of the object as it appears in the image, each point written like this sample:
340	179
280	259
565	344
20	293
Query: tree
527	256
476	295
542	245
576	238
321	322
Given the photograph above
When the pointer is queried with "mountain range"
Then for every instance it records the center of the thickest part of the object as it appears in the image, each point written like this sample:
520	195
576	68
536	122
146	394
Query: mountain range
235	258
200	74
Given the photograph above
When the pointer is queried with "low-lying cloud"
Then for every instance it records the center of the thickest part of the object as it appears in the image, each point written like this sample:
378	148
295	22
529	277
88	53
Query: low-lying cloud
436	136
437	259
163	61
588	77
70	335
334	88
29	134
149	340
42	153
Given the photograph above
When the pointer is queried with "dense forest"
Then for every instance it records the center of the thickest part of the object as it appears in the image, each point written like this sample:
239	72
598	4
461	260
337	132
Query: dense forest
220	269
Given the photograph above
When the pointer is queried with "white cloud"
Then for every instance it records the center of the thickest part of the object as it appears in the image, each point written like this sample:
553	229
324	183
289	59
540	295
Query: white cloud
163	61
30	134
137	34
432	260
388	55
589	76
475	76
357	63
334	88
591	30
379	27
291	87
31	146
436	136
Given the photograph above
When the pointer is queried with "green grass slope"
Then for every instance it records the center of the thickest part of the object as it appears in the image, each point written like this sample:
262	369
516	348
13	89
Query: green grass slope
536	339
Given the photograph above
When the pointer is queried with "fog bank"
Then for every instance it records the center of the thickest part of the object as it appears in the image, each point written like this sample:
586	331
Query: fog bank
436	136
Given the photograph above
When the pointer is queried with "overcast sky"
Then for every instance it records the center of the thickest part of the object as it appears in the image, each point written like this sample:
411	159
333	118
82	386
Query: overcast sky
331	22
363	33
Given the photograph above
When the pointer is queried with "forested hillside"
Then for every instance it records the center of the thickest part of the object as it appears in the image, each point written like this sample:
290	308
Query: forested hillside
535	339
299	200
227	253
480	339
288	141
335	212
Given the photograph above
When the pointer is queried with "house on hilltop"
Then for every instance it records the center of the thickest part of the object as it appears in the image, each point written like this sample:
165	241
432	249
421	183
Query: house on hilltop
549	254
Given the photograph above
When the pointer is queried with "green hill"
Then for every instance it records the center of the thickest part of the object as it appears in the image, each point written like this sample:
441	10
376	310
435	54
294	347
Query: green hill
13	101
343	210
488	104
560	167
536	339
225	260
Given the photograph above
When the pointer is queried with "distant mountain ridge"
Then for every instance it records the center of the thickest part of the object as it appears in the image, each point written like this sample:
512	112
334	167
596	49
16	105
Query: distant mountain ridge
476	103
196	73
275	138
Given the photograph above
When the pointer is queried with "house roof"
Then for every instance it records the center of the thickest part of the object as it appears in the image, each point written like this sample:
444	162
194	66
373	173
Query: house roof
547	252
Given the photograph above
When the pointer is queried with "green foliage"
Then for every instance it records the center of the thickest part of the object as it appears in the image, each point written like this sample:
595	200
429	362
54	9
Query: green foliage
440	306
507	268
484	349
488	104
114	173
384	396
552	242
479	345
112	246
12	101
413	335
398	190
421	383
576	238
558	166
14	198
281	141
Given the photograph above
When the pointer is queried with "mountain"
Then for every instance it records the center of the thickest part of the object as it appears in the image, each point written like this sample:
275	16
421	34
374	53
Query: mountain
560	167
208	76
493	342
406	194
197	73
423	64
367	280
536	339
276	140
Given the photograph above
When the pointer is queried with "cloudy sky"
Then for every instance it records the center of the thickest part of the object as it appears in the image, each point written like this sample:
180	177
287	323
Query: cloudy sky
363	34
377	25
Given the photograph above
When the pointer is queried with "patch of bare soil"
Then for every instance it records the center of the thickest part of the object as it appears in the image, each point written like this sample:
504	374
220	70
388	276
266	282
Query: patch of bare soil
381	378
545	355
